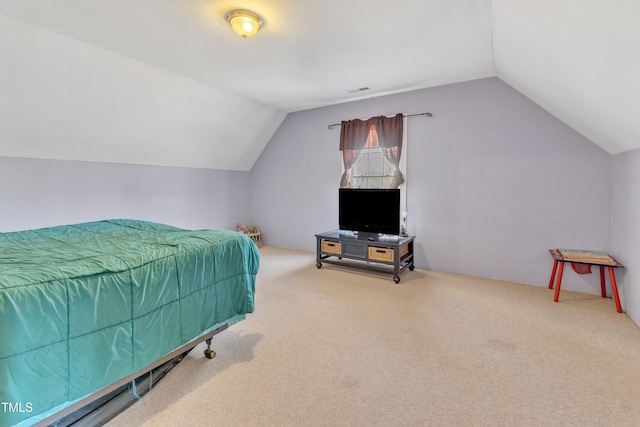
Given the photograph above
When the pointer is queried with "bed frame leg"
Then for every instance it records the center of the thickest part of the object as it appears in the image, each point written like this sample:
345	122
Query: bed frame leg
208	353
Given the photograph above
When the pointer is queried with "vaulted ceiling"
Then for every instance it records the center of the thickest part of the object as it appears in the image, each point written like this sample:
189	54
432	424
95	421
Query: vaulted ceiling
580	60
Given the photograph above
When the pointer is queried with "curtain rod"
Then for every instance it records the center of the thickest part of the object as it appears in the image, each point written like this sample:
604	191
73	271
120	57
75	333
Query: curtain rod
404	115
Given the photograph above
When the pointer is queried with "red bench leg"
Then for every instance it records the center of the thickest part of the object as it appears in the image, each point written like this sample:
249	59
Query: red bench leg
557	294
614	288
603	287
553	273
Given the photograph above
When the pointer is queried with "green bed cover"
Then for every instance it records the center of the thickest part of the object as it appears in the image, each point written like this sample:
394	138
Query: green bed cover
83	306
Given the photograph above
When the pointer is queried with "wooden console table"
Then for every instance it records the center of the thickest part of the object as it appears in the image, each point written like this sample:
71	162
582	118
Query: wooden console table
558	265
387	253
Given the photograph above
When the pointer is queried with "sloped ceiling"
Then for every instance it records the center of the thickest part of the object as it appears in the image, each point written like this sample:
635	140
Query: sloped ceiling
580	60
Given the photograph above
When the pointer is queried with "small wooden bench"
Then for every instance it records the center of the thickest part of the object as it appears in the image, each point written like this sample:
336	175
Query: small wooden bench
583	258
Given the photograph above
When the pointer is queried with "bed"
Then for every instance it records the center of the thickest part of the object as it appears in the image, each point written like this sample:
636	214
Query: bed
86	306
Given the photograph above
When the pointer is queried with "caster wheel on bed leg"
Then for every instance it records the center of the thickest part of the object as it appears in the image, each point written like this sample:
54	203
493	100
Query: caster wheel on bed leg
208	353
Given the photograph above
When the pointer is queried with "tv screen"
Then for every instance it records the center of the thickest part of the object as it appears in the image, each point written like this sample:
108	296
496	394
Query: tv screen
375	211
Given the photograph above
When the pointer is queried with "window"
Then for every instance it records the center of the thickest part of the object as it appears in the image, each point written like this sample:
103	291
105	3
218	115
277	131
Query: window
372	169
371	152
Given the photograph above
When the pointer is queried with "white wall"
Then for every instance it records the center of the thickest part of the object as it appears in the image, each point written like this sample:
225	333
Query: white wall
493	182
41	193
625	229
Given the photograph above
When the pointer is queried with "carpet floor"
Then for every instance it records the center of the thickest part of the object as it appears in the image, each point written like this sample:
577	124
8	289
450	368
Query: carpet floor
331	347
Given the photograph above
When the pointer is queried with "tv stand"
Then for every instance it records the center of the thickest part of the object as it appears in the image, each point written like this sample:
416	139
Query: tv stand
386	253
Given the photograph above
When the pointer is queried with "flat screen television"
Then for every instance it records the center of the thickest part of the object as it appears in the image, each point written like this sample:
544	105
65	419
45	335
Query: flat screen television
369	211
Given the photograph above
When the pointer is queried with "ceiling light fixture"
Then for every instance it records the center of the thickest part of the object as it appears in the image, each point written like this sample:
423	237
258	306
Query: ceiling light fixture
243	22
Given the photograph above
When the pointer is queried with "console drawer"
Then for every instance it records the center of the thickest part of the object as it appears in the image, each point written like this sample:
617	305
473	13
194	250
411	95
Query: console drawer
355	250
404	250
380	254
331	247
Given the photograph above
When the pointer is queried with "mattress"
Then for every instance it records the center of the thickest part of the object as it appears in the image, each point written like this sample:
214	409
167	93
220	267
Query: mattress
83	306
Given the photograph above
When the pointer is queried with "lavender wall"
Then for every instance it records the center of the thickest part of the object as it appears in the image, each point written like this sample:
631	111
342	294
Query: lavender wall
493	181
625	228
39	193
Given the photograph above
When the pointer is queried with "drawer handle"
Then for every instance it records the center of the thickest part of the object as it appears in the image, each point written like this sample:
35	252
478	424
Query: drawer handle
381	251
331	244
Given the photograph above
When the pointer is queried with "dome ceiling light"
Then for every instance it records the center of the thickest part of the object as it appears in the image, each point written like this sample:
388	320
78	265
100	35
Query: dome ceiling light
243	22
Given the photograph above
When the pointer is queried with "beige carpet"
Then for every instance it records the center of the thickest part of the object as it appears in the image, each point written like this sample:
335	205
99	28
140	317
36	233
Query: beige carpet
330	347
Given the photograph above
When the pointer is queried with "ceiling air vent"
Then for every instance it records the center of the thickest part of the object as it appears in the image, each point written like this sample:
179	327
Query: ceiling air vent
362	89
